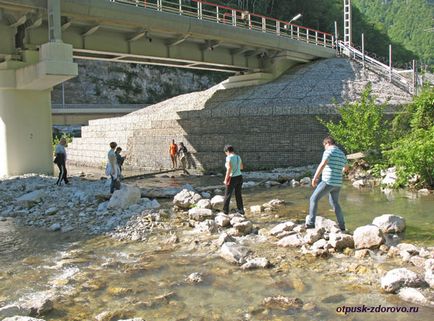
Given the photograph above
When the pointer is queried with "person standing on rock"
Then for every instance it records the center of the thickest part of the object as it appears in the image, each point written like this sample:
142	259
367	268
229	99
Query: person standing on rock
332	166
173	150
112	168
60	161
233	179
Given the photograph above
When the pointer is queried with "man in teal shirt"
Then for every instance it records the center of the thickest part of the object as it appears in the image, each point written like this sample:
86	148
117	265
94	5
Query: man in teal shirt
332	166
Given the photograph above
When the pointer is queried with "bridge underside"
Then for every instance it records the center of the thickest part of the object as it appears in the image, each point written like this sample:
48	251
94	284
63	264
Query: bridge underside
40	38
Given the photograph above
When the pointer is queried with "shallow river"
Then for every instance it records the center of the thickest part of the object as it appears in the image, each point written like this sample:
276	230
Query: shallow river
147	279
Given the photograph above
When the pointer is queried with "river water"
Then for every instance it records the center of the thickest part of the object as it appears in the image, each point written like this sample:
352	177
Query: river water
92	275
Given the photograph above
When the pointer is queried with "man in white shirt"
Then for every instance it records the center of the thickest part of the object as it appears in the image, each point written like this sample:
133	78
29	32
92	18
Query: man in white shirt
60	161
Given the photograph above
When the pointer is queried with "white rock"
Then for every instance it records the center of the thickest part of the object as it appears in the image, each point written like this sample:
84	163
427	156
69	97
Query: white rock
368	237
234	253
359	183
217	202
273	204
313	235
294	183
256	263
414	296
223	238
21	318
222	220
329	225
390	178
320	244
305	181
424	191
124	197
429	272
389	223
256	209
244	227
285	226
207	226
407	247
200	214
195	277
397	278
204	203
185	199
27	200
102	207
294	240
341	241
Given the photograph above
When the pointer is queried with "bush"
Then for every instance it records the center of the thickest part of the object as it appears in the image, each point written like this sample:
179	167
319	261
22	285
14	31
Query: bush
413	155
362	125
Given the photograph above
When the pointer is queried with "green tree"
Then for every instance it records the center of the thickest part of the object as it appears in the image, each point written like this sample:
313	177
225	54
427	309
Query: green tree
362	124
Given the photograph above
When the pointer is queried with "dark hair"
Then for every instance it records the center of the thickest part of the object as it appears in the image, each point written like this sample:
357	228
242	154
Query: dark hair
113	145
118	149
228	148
329	140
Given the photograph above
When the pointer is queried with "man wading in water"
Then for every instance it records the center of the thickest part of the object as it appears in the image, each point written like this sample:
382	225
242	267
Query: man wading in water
332	166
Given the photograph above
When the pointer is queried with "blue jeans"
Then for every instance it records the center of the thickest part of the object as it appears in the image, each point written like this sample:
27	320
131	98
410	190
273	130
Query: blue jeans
321	190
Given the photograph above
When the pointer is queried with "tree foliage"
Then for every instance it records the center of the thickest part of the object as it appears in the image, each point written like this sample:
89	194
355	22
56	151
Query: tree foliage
362	124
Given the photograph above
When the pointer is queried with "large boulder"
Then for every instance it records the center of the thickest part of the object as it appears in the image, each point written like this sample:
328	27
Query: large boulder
186	199
217	202
389	223
234	253
390	177
327	224
341	241
222	220
204	203
313	235
126	196
398	278
294	240
200	214
282	227
368	237
29	199
243	228
412	295
207	226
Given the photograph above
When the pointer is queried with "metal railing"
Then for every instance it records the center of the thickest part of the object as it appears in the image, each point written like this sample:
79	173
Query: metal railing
393	75
208	11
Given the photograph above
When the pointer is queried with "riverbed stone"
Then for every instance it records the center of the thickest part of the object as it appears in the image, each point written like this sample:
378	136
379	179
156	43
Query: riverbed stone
282	302
313	235
341	241
327	224
204	203
320	244
360	254
389	223
195	277
222	220
200	214
306	181
256	263
417	261
294	240
398	278
186	199
256	209
29	199
407	247
207	226
234	253
368	237
273	204
217	202
414	296
55	227
285	226
429	272
390	177
223	238
123	198
245	227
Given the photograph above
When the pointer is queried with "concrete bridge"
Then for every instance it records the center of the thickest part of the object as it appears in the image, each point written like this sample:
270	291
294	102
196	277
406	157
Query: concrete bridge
40	38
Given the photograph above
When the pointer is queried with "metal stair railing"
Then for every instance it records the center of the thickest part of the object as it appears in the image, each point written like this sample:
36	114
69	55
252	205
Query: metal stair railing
204	10
393	75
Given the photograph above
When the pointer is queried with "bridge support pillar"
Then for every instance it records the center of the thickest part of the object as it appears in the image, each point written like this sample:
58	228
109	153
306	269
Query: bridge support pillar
25	132
25	107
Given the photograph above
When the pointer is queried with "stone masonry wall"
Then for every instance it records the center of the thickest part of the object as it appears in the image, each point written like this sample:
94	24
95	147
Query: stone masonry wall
271	125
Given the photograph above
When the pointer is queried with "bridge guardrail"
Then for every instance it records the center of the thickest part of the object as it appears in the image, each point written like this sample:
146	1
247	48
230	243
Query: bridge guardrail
237	18
378	67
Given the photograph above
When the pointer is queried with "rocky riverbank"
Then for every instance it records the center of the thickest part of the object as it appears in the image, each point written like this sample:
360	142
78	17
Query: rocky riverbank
188	217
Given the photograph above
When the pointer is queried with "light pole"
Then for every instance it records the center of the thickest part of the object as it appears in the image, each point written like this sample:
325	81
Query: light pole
295	18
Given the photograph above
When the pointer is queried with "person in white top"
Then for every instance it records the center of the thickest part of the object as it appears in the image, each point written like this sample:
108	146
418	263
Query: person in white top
112	168
60	161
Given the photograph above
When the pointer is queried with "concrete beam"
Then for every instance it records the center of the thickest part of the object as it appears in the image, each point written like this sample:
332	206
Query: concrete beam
177	41
91	31
22	20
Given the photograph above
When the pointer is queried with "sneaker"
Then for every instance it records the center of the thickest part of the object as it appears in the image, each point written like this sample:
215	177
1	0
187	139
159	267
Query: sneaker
308	226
